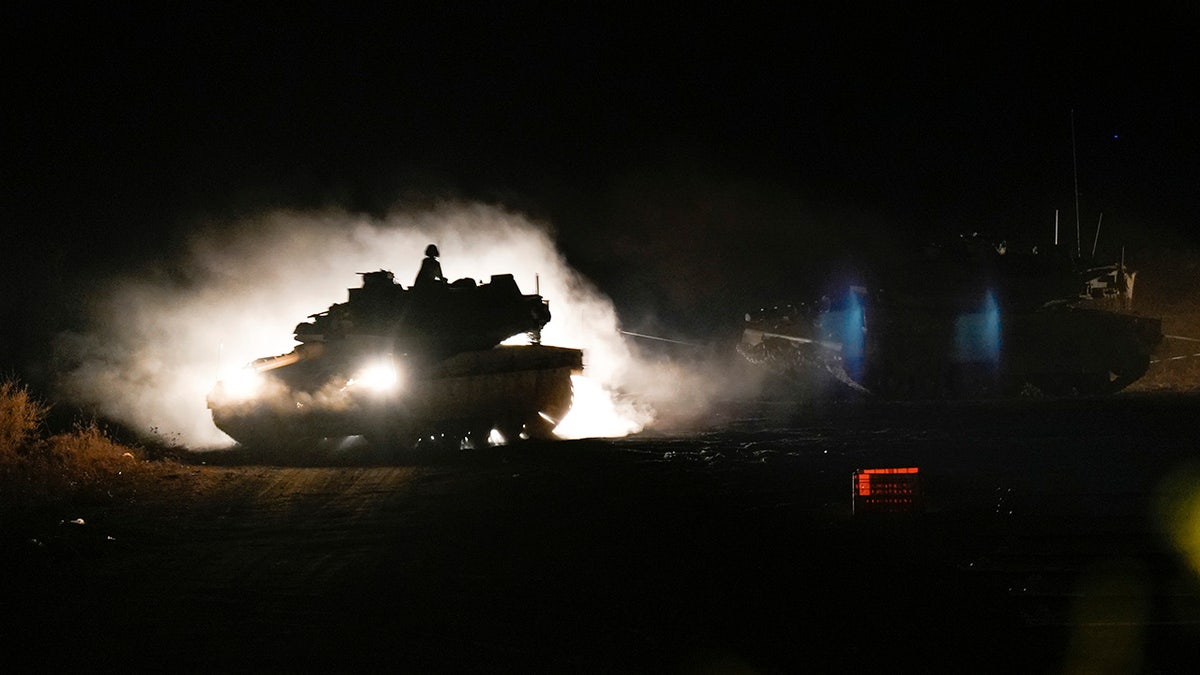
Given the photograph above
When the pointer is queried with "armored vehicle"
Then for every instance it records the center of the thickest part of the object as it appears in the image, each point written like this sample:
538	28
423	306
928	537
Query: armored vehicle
403	366
965	319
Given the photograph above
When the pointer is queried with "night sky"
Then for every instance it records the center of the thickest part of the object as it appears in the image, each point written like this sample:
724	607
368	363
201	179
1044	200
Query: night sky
693	159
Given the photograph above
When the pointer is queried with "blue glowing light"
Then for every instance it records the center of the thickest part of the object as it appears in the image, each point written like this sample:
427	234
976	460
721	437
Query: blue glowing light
977	335
853	338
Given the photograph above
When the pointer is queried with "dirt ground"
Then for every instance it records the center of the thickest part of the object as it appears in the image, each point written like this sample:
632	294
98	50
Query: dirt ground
1041	547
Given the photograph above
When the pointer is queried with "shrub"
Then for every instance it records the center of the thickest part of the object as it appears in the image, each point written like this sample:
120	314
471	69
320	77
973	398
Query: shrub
82	463
21	417
87	454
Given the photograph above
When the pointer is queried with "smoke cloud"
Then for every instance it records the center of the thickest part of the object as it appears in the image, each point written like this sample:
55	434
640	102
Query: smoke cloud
158	341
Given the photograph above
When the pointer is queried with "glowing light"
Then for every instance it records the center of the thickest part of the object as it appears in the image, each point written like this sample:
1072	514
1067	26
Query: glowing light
1178	510
518	340
241	384
597	412
977	336
892	490
853	337
380	377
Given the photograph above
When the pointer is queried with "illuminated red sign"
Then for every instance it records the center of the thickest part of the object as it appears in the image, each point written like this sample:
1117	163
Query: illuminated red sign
893	490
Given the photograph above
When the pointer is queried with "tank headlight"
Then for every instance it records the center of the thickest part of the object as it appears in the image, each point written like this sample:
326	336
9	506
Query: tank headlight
380	377
242	384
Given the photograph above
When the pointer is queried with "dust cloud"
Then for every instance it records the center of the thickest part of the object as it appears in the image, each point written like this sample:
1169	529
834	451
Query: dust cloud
158	341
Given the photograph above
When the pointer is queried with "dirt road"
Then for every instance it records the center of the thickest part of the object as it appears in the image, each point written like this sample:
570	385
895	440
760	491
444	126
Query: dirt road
731	547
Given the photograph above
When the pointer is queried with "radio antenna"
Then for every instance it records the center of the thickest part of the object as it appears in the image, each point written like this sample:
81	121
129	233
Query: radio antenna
1075	173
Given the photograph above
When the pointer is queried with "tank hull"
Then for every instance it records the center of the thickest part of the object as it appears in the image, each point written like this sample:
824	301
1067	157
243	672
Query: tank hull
521	391
920	355
969	320
1059	352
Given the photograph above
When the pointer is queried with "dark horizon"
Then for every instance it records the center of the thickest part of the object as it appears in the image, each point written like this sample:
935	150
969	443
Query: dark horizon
744	143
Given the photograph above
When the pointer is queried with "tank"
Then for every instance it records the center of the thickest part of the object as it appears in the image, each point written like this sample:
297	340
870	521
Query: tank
407	366
965	319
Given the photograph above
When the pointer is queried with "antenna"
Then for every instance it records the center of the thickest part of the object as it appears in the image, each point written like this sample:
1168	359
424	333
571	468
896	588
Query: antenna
1075	173
1097	239
1126	284
1056	227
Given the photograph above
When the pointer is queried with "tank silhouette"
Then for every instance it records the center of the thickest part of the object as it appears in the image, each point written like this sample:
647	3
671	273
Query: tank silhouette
965	319
403	366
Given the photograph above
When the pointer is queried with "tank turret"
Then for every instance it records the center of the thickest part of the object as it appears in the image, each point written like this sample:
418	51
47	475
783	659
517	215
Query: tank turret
436	320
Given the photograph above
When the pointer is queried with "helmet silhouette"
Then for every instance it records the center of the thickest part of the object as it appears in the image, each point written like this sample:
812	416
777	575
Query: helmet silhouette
431	251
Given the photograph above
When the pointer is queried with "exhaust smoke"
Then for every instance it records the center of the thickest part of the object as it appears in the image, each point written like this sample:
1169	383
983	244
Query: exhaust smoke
158	341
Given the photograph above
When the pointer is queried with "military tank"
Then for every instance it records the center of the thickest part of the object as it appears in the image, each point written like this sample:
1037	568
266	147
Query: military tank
965	319
404	367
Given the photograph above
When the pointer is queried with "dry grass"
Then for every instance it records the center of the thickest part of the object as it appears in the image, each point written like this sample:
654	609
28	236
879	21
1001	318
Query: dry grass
83	464
21	417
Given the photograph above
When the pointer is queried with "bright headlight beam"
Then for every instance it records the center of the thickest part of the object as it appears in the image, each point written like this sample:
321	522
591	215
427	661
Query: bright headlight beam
380	377
241	384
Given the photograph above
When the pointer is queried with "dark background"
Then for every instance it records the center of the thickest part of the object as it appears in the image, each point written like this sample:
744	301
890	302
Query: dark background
694	160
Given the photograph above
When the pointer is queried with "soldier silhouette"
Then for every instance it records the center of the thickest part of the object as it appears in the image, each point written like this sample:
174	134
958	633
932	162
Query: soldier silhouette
431	270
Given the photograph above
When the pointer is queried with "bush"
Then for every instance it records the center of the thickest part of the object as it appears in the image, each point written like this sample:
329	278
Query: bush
82	463
88	455
21	417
